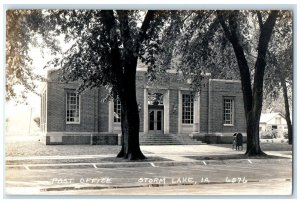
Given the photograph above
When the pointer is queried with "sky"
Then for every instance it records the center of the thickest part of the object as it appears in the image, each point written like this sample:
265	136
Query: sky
19	114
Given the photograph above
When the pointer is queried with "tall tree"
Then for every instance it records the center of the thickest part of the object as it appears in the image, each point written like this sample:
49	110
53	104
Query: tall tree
252	94
105	53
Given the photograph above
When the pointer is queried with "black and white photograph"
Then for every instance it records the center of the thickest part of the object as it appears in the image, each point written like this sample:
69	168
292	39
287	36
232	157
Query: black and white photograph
149	101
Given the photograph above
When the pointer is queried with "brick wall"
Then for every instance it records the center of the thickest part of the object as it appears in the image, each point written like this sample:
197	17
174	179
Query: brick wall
56	109
103	110
220	89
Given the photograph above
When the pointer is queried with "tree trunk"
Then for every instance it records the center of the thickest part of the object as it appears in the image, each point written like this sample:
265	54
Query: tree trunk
130	122
287	108
252	119
122	151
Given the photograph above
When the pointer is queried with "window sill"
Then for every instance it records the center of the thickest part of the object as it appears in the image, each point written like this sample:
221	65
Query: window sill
228	125
73	123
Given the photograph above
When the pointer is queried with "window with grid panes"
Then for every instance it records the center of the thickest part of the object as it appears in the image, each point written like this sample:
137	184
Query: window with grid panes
187	109
117	111
228	114
72	110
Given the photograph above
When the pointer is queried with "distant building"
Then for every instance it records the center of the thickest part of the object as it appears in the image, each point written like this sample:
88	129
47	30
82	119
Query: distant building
166	109
273	122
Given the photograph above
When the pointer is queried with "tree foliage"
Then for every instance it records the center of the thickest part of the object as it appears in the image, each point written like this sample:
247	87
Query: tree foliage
280	57
193	44
89	60
37	121
22	32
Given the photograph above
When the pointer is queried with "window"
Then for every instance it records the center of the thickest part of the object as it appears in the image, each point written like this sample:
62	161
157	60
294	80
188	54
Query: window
73	110
278	120
228	114
155	99
187	109
117	111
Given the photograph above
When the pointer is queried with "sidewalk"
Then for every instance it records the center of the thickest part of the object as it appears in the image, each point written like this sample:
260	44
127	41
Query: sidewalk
35	155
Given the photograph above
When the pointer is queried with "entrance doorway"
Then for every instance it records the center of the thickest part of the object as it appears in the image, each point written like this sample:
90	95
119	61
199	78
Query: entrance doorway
156	121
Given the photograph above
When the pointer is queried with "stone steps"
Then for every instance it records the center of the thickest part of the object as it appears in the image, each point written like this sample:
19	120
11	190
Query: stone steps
167	139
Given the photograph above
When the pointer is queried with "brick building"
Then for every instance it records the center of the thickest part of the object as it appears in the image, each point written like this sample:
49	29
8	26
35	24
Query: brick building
165	109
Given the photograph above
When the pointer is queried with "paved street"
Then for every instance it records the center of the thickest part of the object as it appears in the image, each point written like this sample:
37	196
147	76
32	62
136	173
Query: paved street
169	170
251	188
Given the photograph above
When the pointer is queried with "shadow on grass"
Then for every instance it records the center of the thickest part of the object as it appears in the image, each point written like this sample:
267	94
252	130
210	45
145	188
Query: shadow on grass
233	156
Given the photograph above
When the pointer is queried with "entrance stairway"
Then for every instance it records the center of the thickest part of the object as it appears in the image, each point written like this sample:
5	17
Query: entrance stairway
167	139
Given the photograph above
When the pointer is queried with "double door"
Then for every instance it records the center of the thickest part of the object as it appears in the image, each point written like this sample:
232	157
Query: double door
156	121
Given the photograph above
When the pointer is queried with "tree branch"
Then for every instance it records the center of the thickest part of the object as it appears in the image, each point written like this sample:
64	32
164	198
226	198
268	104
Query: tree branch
125	32
231	35
145	26
233	22
108	20
183	20
261	25
224	26
264	38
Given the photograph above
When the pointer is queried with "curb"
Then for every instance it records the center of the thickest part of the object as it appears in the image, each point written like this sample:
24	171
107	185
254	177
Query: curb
100	165
139	164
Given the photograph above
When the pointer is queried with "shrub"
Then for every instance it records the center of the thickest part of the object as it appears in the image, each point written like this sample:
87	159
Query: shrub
270	134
